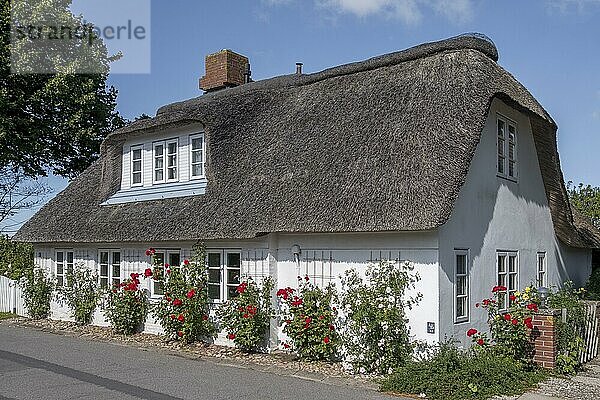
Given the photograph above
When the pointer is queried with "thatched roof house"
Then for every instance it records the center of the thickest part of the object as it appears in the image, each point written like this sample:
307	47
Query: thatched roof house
388	146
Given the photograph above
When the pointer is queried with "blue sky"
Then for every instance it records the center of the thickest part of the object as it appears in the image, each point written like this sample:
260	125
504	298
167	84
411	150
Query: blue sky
551	46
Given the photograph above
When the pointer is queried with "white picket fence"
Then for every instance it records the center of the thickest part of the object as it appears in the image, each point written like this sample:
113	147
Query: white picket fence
11	297
591	331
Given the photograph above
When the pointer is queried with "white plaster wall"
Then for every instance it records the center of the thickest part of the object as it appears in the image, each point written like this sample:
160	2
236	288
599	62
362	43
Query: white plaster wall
493	214
325	257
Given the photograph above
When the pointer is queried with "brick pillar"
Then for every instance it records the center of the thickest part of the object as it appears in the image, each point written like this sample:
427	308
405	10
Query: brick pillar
544	338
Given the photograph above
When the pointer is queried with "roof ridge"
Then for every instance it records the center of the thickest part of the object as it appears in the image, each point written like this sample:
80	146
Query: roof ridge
467	41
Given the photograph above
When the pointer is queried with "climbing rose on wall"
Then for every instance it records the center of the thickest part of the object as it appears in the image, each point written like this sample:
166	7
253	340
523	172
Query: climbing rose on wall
183	310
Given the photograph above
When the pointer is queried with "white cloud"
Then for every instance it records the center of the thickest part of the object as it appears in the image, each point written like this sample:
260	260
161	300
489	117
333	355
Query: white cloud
569	5
409	12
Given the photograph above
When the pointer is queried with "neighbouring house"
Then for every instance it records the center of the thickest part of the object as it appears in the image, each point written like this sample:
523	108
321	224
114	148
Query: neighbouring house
434	154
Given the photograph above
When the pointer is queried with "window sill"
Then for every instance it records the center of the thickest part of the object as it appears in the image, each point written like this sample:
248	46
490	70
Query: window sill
506	178
461	321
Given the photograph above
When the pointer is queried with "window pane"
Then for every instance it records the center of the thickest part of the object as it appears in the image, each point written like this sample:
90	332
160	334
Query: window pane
214	260
59	281
116	270
500	146
461	264
116	257
174	259
511	133
460	307
172	149
158	150
103	282
59	256
197	143
158	163
501	264
501	280
233	260
59	269
137	166
103	257
500	128
511	168
116	282
501	165
232	292
461	286
69	257
137	177
137	154
159	288
512	263
158	175
512	281
233	276
213	292
197	170
103	269
172	173
197	156
214	275
159	258
171	161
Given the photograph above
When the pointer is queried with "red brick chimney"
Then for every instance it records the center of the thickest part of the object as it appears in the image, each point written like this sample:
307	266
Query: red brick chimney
225	69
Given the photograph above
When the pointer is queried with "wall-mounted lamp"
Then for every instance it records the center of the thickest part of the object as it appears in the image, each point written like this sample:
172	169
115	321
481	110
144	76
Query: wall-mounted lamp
543	292
296	252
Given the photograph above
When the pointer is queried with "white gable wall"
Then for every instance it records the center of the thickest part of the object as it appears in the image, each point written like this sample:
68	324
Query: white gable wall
494	214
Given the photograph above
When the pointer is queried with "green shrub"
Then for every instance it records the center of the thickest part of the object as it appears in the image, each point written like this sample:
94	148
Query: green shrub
16	258
570	344
247	316
37	293
126	306
81	293
183	310
376	336
593	286
308	320
452	374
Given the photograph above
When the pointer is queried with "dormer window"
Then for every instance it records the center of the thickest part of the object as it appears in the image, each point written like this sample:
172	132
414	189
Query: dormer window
165	161
197	156
136	165
507	149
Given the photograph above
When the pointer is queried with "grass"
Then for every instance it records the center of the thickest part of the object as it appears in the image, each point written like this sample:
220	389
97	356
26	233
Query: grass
6	315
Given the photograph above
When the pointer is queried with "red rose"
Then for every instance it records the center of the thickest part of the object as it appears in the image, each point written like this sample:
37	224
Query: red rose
507	317
533	307
286	346
282	293
177	302
480	342
528	323
471	332
321	317
297	301
181	318
326	339
168	271
147	272
331	327
186	262
190	294
499	289
231	336
173	316
486	302
242	287
150	251
306	278
515	321
477	305
167	265
179	333
512	297
205	317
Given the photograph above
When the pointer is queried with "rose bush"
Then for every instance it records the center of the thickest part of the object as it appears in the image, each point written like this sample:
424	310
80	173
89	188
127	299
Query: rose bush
510	328
247	317
126	306
376	335
308	317
37	293
183	310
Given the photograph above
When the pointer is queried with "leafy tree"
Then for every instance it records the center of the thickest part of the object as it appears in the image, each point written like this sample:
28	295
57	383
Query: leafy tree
16	259
586	199
54	121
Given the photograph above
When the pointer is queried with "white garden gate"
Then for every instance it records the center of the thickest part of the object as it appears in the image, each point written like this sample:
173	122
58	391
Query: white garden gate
11	297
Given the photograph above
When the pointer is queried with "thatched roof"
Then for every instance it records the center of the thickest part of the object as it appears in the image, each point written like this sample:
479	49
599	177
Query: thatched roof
379	145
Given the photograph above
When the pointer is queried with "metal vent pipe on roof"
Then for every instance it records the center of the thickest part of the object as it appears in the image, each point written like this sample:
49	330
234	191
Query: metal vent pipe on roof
299	68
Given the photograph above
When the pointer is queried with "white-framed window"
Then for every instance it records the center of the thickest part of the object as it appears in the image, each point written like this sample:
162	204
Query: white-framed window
508	276
165	161
63	266
542	270
173	260
109	271
461	285
137	163
197	156
224	271
507	148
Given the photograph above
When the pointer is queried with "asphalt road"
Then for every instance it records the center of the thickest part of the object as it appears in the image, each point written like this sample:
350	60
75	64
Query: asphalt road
38	365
